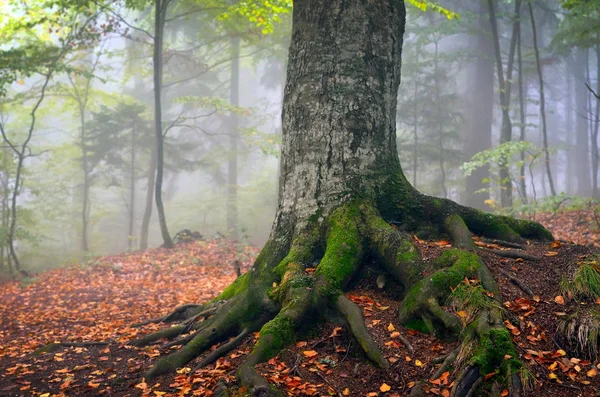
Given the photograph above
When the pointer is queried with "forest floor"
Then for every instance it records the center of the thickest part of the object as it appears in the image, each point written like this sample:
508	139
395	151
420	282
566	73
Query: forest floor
100	301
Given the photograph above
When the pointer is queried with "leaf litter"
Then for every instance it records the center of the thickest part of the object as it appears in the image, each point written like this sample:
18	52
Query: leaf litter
100	301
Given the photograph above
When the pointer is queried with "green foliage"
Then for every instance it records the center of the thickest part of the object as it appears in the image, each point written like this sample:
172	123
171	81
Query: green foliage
585	280
424	5
471	299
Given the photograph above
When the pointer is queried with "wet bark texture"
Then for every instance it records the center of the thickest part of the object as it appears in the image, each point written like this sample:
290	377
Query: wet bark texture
339	105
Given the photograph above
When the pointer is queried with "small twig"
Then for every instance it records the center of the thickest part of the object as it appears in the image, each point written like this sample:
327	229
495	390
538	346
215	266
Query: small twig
407	344
517	282
328	384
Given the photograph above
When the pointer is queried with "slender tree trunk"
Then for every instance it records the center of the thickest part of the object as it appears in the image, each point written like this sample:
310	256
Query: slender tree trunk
440	128
6	163
415	152
151	177
571	155
479	136
159	24
542	100
522	117
583	156
131	191
86	180
504	92
232	166
595	117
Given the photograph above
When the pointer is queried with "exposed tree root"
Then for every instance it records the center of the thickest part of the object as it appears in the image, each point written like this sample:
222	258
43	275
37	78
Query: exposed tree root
52	347
353	315
180	313
223	350
524	287
278	296
504	243
512	254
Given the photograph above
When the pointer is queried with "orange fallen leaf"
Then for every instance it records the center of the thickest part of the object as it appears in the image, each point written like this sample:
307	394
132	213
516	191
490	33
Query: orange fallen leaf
310	353
559	300
385	388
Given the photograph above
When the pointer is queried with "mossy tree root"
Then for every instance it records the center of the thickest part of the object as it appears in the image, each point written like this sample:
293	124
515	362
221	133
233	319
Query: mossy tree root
278	294
487	348
353	314
422	302
180	313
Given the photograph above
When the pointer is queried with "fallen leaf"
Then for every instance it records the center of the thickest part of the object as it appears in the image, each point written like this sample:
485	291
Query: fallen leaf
310	353
385	388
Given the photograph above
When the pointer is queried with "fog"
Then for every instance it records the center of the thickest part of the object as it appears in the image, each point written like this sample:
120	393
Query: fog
89	161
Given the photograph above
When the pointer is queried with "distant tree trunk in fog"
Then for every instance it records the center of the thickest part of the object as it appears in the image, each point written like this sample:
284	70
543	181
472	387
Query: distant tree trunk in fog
86	185
6	156
479	135
131	191
161	7
542	100
571	155
504	92
415	155
149	199
232	166
439	112
581	95
595	118
522	118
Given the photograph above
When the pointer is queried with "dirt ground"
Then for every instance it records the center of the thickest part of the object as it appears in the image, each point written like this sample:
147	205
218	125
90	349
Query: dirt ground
100	302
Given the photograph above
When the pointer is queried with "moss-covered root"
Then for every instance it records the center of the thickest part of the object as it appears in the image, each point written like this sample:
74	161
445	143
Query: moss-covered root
274	336
395	250
461	236
487	348
167	333
180	313
500	227
353	315
247	311
421	307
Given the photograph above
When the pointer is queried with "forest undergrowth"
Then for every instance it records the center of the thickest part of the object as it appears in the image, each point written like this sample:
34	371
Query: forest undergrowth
92	308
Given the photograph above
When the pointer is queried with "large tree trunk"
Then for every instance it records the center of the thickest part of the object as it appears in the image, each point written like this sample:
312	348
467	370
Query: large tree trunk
341	185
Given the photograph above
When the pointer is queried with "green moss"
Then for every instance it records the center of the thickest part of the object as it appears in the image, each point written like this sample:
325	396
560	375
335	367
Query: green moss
240	284
344	249
472	299
584	282
302	249
274	336
418	325
494	345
